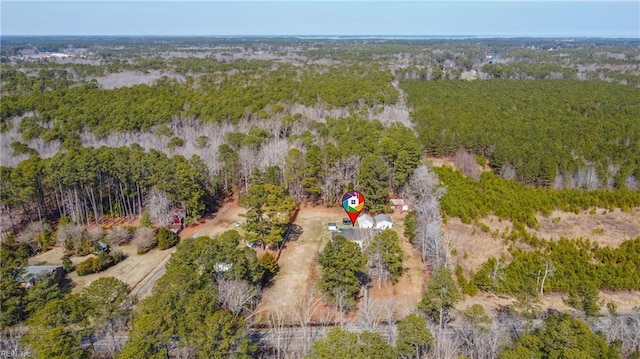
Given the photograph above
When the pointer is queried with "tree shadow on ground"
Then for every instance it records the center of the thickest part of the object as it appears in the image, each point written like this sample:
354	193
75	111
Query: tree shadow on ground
295	232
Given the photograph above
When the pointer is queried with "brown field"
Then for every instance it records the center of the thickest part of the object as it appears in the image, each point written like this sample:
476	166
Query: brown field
608	228
441	161
299	267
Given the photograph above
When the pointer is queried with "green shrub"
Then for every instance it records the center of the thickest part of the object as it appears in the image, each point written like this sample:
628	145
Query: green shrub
145	221
166	239
99	263
175	142
86	267
270	265
67	264
468	199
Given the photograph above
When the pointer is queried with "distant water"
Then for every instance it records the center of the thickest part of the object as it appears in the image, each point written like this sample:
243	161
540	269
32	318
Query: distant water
386	37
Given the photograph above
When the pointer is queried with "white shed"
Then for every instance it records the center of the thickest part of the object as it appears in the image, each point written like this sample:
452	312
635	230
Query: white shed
383	221
365	221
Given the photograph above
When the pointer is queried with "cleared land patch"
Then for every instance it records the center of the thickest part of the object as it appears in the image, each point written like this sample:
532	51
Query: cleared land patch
473	246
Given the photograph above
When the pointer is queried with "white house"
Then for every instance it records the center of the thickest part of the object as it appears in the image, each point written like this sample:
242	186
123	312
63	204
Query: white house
332	226
383	221
365	221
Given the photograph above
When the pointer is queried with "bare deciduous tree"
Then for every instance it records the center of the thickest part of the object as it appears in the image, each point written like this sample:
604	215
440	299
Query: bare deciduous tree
237	296
306	306
159	207
31	233
277	321
248	162
95	233
507	171
549	271
272	153
446	344
622	328
466	162
377	270
372	312
425	192
339	176
145	239
632	183
586	178
71	234
118	236
10	343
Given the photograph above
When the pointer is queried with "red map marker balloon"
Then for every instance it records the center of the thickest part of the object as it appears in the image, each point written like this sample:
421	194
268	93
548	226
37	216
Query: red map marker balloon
353	202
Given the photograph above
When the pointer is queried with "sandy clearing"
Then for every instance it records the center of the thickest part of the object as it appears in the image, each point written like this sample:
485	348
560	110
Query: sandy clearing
131	78
218	223
50	257
407	293
626	302
442	161
473	246
607	228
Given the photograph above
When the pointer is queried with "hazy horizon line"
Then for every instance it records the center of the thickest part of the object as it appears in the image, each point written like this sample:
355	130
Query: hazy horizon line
333	36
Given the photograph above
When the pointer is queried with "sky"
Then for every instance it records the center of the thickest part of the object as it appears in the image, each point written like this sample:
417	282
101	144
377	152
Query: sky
513	18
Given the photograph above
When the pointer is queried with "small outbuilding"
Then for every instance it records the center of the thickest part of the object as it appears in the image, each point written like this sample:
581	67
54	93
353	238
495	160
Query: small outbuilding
100	247
383	221
332	226
365	221
399	205
177	222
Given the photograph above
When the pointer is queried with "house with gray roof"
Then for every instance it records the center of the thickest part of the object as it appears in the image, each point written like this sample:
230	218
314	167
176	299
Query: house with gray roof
383	221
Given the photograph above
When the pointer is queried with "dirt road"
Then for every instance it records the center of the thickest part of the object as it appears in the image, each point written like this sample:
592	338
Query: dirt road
222	221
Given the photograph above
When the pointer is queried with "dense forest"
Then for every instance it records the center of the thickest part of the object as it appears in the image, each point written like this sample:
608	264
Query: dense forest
545	133
87	184
143	128
468	199
224	93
